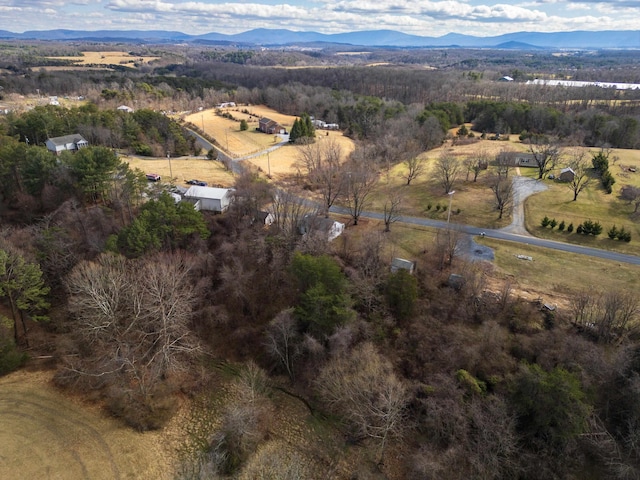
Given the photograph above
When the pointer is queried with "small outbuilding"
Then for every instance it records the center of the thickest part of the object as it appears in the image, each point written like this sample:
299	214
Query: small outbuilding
209	198
72	142
125	108
566	175
402	264
315	224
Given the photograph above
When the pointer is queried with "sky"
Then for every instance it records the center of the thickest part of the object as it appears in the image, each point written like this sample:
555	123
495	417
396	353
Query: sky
417	17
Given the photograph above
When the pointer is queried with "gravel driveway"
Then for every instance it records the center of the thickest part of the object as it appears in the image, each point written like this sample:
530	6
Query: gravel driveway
522	188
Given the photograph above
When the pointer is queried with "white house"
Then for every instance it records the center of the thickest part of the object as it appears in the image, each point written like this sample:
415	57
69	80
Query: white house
209	198
67	142
311	224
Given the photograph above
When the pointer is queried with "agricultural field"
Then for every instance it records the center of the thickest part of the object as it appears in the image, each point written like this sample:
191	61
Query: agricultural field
237	143
106	58
46	434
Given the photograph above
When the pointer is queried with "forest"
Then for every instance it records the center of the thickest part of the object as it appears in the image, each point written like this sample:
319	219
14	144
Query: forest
140	301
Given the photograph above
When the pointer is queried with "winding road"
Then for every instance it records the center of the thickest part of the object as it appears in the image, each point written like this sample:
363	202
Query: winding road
515	232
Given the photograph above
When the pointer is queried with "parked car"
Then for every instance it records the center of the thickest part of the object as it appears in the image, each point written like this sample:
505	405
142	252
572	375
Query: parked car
153	177
200	183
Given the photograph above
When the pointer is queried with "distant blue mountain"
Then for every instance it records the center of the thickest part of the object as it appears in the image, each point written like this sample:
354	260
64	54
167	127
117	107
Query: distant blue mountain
629	39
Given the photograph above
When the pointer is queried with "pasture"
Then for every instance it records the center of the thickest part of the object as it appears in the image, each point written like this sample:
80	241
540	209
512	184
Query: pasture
46	434
107	58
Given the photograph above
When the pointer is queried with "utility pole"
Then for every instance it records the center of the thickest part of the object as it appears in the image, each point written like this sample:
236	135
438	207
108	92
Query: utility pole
450	200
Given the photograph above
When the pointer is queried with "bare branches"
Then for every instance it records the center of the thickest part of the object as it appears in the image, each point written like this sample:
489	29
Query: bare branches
361	177
323	162
502	188
579	178
447	170
392	209
546	156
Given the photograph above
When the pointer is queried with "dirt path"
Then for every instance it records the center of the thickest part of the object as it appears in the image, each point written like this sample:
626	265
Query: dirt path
523	187
47	435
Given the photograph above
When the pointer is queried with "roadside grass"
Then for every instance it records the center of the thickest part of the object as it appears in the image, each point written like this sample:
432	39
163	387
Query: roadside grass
592	204
560	272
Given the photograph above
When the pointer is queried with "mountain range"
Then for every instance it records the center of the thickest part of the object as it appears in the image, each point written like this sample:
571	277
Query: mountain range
608	39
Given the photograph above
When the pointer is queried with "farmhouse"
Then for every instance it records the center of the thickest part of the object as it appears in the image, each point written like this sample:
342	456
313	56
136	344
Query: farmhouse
209	198
518	159
328	227
267	125
68	142
566	175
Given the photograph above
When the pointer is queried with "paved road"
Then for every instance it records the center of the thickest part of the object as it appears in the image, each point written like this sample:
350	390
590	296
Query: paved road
502	235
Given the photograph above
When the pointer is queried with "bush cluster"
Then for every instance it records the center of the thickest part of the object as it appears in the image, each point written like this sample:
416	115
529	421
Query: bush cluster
588	227
619	234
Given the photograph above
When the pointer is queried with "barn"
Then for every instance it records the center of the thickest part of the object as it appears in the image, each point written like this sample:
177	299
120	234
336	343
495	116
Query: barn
209	198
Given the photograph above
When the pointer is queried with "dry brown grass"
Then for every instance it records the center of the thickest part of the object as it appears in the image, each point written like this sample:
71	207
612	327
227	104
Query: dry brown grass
210	171
46	434
227	133
107	58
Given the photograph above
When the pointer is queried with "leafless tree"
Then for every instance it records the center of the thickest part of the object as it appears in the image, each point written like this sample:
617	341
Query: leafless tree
134	314
323	162
502	188
414	161
281	340
546	156
504	162
392	209
581	178
631	194
363	389
447	170
447	246
288	211
476	163
361	177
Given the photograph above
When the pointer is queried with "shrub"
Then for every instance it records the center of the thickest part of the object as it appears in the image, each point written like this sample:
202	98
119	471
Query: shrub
570	228
437	207
428	206
10	357
553	223
613	232
243	125
591	228
561	226
143	412
545	222
622	234
580	229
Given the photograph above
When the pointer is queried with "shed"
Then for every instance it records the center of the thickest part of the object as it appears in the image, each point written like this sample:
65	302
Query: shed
263	218
566	175
402	264
67	142
311	224
209	198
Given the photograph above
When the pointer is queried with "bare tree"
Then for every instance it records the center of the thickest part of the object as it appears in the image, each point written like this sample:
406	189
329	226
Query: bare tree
362	388
502	188
134	314
447	245
392	209
323	162
476	163
281	340
546	156
504	162
447	170
288	211
413	160
631	194
361	177
581	178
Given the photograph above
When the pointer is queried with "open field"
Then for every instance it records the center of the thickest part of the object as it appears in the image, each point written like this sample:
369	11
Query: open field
211	171
45	434
238	144
107	58
594	204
